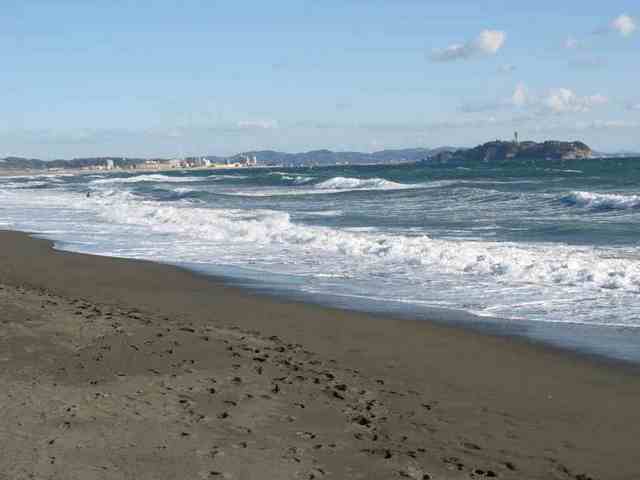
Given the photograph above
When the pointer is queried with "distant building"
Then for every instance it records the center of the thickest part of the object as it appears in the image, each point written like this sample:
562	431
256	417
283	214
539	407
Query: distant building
109	164
247	160
149	165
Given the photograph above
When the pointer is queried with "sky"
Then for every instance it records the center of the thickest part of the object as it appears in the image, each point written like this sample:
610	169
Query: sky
191	77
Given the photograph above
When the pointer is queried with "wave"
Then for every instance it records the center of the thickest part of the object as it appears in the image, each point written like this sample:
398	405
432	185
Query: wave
324	213
295	179
298	179
273	231
585	283
562	170
52	176
348	183
226	177
30	184
602	201
301	185
153	177
183	190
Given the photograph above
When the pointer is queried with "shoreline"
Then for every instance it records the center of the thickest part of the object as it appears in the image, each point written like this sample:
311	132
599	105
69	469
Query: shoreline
528	332
517	330
494	402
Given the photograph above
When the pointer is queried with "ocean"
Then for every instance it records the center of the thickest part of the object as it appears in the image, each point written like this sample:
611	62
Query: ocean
549	250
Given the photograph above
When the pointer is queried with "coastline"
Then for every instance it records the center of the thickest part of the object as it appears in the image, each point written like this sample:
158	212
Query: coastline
494	402
93	171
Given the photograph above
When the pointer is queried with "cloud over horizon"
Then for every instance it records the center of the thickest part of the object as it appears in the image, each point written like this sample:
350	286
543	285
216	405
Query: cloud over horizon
487	43
558	100
258	124
520	96
624	24
564	100
571	43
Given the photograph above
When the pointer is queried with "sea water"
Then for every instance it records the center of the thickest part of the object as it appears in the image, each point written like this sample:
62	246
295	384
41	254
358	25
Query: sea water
526	243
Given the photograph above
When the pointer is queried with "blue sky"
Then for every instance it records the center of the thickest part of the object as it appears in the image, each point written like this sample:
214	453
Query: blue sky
124	77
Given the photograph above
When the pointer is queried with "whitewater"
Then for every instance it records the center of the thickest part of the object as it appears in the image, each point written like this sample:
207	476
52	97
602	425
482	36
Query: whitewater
547	242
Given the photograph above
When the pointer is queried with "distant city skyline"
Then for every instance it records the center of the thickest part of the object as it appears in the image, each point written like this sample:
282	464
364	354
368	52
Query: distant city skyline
167	78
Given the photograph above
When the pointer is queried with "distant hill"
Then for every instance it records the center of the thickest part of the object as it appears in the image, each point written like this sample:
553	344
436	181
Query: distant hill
328	157
499	151
19	163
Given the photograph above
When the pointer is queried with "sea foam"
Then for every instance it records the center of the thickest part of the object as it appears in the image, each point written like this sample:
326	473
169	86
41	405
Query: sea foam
153	177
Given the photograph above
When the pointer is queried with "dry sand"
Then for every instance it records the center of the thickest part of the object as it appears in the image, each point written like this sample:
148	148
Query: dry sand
116	369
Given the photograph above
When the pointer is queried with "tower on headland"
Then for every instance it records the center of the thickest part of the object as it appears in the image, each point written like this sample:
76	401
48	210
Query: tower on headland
515	138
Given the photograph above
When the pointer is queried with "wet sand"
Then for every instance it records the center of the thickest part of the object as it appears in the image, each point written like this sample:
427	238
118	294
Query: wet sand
124	369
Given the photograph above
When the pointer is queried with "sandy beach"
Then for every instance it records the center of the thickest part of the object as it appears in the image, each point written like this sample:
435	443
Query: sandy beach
119	369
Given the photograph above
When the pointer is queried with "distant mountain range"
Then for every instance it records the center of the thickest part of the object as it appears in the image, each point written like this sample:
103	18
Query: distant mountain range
263	157
328	157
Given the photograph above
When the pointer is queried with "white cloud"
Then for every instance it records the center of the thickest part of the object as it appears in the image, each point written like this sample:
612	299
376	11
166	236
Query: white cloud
520	96
536	104
490	41
564	100
487	43
257	124
634	106
571	43
625	25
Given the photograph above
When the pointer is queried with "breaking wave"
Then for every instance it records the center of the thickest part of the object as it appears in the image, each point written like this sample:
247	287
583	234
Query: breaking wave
226	177
347	183
502	262
602	201
153	177
295	179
